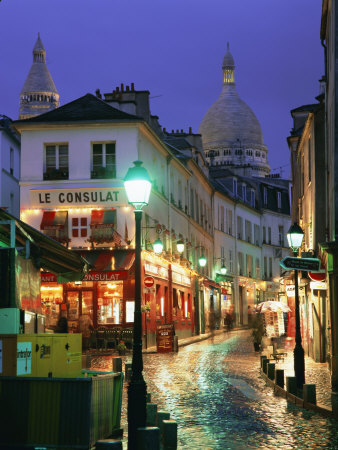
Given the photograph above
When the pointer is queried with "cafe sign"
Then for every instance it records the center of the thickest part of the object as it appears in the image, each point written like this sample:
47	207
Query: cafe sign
154	269
180	278
112	275
88	197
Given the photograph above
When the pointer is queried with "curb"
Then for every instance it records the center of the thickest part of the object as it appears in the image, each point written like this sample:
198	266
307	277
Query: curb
290	398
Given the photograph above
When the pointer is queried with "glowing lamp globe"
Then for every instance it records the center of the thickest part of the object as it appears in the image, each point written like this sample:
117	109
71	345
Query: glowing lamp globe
138	185
158	246
223	270
202	261
180	246
295	236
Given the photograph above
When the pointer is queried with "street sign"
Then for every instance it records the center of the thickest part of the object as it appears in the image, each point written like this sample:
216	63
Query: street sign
304	264
149	282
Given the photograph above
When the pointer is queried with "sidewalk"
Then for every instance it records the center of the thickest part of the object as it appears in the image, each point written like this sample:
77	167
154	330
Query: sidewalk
315	373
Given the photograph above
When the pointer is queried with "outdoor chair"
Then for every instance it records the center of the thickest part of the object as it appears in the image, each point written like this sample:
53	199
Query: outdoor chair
113	337
101	341
127	336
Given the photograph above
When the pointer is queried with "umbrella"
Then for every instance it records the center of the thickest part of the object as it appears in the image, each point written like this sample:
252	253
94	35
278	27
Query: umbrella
272	307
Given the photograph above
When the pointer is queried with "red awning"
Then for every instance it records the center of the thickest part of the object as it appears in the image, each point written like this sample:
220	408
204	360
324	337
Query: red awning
103	218
107	260
54	220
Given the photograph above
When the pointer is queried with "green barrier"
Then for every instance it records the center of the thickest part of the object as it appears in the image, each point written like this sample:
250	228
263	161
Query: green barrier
60	412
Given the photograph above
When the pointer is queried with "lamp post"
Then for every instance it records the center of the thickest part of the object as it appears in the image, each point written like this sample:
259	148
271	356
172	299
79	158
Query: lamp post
295	236
138	186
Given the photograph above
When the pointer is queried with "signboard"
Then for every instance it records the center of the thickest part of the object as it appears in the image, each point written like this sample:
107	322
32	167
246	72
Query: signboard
304	264
318	285
165	338
149	282
290	290
24	358
317	276
51	198
148	290
112	275
158	271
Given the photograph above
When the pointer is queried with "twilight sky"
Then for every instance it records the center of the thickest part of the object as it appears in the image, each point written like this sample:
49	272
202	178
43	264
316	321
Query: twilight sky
174	49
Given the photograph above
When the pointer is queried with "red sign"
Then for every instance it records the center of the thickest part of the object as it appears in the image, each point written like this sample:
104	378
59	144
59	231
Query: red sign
149	281
165	338
47	277
113	275
317	276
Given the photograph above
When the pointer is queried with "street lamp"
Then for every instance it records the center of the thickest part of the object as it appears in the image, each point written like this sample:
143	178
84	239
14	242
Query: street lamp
180	246
138	186
295	237
223	270
202	260
158	246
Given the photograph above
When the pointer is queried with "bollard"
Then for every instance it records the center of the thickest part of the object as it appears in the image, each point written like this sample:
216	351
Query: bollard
169	435
148	438
127	371
271	371
108	444
279	377
117	364
265	365
161	415
291	385
309	393
175	344
151	414
148	397
262	357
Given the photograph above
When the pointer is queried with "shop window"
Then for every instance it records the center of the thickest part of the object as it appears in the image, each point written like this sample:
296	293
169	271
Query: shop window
175	300
110	304
79	226
130	309
162	306
51	299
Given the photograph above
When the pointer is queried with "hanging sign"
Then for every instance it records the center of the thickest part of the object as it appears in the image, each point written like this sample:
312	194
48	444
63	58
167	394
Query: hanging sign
318	285
304	264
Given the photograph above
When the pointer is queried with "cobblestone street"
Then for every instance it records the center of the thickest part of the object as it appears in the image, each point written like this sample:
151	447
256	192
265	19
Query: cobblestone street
214	392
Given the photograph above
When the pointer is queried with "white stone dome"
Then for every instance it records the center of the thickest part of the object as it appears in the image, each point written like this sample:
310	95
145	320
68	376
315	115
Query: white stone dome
228	120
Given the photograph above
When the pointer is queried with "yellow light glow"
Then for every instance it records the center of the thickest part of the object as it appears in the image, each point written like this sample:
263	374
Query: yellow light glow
88	248
111	286
36	211
110	248
51	288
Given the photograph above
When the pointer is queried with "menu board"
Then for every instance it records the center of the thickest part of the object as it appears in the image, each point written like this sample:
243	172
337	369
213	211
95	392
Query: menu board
164	338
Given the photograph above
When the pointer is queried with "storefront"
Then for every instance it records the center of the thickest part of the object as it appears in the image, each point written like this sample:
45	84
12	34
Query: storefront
105	294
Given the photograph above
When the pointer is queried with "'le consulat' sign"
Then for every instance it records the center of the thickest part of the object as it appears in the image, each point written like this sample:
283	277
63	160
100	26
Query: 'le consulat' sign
51	198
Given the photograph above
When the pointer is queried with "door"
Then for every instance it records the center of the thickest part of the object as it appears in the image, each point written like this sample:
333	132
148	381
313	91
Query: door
79	302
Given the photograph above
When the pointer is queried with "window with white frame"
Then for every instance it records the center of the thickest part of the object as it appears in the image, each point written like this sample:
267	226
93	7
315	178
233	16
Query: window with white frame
281	236
258	269
265	196
103	160
244	192
252	198
256	234
279	200
234	186
239	227
56	161
230	221
231	267
79	227
269	235
222	257
11	161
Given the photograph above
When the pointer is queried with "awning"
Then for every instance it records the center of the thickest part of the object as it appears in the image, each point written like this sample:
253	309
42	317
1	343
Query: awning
103	218
108	260
49	254
54	220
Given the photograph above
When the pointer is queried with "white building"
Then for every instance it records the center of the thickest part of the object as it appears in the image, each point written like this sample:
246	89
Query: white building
10	167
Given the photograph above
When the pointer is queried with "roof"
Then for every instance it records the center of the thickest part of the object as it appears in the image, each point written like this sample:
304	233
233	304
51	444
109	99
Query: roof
38	80
87	108
51	255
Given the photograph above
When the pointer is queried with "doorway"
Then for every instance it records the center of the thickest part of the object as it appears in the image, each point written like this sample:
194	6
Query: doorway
79	302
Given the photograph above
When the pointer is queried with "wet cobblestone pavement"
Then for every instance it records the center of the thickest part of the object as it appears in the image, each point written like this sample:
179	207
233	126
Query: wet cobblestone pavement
214	392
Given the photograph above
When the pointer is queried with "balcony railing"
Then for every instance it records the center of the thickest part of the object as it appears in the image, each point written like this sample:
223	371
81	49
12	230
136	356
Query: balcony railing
103	172
56	174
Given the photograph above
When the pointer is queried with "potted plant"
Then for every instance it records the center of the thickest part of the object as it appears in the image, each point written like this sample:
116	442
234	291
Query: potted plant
257	331
121	348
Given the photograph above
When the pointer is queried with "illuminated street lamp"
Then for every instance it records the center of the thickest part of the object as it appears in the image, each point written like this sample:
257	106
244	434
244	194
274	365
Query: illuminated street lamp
295	237
138	186
223	270
202	260
180	246
158	246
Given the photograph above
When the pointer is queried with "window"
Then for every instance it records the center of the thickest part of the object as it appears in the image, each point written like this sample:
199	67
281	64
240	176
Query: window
244	192
265	267
258	154
11	161
270	267
222	257
222	218
258	270
103	160
240	263
279	200
192	209
281	236
264	235
239	227
252	198
56	162
309	159
79	227
265	196
234	187
231	268
269	234
230	221
248	230
249	266
256	234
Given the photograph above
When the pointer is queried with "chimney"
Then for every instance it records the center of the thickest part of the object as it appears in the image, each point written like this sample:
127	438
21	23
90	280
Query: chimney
190	130
122	87
132	86
177	131
127	88
98	93
117	89
172	131
164	130
181	131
